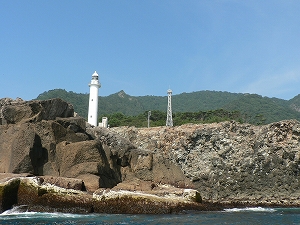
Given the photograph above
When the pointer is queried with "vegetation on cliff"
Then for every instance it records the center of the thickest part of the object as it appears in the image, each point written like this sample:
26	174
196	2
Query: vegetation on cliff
158	118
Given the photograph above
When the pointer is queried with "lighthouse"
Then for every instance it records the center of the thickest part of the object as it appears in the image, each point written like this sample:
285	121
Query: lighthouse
93	100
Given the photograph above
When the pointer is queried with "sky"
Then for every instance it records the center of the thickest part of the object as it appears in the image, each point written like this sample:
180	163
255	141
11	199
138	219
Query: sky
145	47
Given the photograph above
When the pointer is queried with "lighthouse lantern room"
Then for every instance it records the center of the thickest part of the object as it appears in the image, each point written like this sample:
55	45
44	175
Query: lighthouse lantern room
93	100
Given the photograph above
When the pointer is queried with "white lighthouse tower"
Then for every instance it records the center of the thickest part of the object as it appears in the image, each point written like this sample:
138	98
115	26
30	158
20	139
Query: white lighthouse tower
93	100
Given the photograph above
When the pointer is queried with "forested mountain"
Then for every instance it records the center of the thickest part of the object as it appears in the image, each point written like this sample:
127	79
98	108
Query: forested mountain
252	108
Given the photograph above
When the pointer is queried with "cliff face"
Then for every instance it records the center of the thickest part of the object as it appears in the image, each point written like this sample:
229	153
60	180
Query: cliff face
46	153
43	138
226	162
231	162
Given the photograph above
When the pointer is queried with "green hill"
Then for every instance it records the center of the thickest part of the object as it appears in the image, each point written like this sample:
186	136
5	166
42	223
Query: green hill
263	110
252	107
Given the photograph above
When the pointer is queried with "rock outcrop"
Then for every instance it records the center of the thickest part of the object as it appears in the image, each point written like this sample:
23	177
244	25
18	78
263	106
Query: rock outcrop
130	162
40	195
43	139
16	111
231	162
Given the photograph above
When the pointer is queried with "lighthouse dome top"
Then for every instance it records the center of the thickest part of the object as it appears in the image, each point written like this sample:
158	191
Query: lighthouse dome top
95	80
95	74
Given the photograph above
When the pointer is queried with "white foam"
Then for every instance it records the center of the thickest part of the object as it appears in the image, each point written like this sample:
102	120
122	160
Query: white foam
250	209
15	210
10	213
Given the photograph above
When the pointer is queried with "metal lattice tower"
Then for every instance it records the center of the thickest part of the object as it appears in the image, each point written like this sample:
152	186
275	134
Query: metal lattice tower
169	122
149	114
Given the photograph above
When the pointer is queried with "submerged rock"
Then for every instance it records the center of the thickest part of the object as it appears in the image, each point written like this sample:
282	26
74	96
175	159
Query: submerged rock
9	194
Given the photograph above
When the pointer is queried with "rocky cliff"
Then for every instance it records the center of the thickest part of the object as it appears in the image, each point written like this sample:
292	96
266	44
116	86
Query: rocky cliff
228	163
44	139
231	162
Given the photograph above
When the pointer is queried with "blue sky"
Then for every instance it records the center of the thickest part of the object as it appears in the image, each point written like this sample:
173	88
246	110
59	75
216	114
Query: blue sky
146	46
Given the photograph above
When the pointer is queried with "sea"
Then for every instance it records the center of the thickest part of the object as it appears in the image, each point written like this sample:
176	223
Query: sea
256	216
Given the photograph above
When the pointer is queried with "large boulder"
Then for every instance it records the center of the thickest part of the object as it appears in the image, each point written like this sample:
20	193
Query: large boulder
9	193
31	131
130	162
44	197
83	159
31	147
12	112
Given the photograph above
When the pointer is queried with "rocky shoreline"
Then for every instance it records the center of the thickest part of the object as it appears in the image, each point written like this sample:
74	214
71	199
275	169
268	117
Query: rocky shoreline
53	161
34	194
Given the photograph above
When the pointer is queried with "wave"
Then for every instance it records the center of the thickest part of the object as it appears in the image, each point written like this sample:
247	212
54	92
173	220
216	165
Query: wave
16	210
250	209
21	212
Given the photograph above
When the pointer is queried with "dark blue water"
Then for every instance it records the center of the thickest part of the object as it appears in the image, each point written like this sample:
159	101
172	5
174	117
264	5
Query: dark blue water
234	216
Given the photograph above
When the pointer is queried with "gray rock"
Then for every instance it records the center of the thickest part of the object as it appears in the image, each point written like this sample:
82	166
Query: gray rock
130	162
231	161
63	182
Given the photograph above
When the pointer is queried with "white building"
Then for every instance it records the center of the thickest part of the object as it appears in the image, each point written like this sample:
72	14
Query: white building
93	100
104	122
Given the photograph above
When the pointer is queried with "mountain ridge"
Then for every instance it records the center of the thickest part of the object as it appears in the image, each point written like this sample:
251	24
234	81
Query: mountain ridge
256	107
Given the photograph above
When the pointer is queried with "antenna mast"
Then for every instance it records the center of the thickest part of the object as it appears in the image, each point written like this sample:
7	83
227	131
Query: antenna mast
169	122
149	114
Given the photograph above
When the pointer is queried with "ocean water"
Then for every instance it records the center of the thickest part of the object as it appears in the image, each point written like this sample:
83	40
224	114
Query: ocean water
247	216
